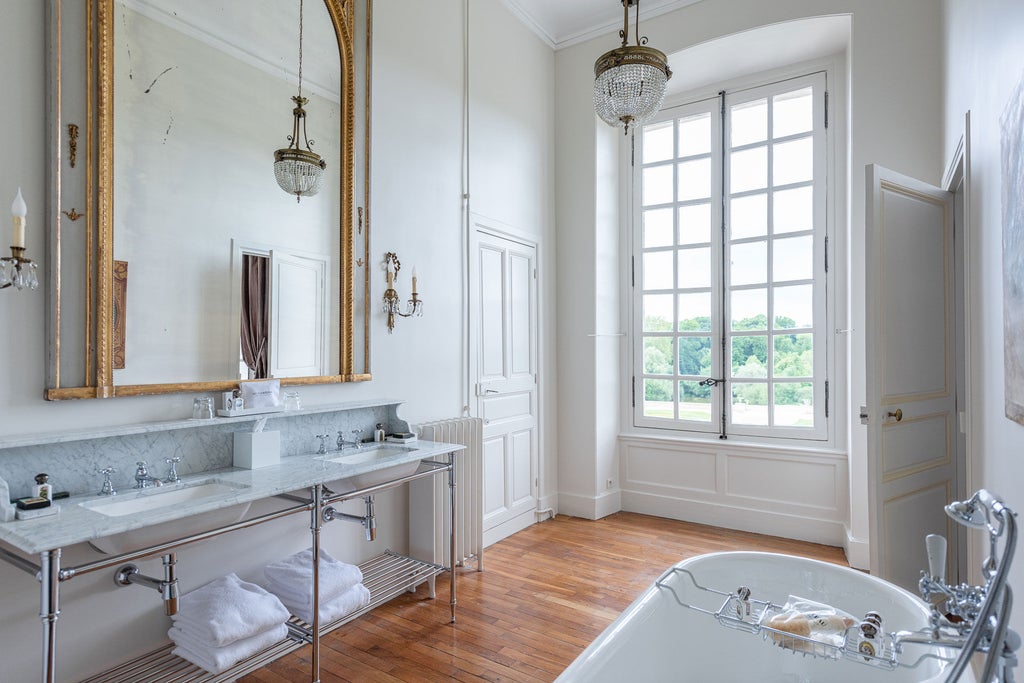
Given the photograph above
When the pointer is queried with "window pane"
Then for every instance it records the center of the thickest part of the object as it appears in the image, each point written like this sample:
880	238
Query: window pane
749	122
750	404
658	313
694	402
793	210
792	112
695	356
794	355
695	224
694	179
748	170
658	228
658	270
658	398
694	267
793	258
695	312
794	307
748	216
749	262
793	162
657	182
794	404
750	356
695	135
749	309
658	142
658	355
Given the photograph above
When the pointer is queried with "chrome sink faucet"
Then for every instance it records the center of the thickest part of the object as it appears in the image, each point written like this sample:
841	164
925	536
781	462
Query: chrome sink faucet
355	440
172	470
143	480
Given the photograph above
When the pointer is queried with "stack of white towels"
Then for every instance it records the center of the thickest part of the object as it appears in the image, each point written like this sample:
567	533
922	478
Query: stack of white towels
226	621
341	587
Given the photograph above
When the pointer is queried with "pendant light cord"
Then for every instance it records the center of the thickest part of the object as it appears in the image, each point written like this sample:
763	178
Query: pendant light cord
300	48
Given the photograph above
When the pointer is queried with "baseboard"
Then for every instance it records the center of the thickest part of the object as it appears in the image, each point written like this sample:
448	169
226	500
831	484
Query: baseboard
858	551
509	527
590	507
799	527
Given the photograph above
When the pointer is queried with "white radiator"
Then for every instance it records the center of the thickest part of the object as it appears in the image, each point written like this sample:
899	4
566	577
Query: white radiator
429	519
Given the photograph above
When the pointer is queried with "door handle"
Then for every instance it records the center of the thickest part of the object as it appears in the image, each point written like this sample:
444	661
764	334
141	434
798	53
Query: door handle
898	414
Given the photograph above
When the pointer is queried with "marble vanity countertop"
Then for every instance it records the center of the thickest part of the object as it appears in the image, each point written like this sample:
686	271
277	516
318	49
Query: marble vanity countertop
78	523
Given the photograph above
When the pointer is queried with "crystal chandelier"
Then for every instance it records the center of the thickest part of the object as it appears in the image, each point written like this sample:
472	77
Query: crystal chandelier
629	81
299	171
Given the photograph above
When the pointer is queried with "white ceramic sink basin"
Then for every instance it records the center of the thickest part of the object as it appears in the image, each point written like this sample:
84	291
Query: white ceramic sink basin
376	453
150	500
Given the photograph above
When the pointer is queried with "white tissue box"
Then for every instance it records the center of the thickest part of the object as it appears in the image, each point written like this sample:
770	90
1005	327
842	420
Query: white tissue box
257	449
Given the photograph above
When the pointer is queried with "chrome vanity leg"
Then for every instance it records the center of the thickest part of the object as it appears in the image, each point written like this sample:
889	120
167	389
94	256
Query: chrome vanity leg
49	609
451	537
316	524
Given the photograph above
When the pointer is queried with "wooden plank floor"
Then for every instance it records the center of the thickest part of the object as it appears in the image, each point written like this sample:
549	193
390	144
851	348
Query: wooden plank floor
544	595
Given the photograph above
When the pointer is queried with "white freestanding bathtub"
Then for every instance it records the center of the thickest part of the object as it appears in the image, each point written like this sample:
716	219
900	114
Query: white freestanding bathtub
656	639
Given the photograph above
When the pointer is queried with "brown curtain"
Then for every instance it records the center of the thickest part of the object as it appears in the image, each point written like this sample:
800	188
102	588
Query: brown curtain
255	314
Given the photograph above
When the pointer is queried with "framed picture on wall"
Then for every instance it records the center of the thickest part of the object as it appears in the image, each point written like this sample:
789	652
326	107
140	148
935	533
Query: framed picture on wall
1012	144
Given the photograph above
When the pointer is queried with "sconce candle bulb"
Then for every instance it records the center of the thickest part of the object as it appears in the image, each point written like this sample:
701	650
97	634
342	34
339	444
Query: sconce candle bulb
16	270
18	212
392	306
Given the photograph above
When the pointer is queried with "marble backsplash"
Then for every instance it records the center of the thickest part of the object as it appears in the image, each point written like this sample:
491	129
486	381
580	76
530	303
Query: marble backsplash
72	461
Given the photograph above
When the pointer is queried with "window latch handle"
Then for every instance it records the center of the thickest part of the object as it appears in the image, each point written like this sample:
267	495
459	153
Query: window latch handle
711	382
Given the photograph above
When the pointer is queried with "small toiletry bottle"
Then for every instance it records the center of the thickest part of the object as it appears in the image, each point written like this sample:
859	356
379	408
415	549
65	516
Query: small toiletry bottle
378	433
43	489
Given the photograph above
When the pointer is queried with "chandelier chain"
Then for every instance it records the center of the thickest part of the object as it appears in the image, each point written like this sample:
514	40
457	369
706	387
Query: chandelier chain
300	48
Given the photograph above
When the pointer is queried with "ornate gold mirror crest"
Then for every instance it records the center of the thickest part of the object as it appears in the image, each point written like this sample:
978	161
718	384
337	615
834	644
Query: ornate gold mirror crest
128	173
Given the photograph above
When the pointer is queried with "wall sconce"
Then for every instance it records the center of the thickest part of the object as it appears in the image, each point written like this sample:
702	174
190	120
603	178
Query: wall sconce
392	306
16	270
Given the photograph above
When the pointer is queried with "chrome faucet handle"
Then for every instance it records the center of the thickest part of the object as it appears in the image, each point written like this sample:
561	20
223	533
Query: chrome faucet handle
107	489
172	470
323	443
356	440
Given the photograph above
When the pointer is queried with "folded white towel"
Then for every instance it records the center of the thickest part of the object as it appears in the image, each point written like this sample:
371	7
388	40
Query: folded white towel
292	578
354	598
217	659
227	610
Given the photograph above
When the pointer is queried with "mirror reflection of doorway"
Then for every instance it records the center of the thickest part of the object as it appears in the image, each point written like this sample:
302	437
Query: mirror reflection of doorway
282	313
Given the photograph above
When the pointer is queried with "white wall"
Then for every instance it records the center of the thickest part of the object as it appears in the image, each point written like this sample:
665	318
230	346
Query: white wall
984	62
417	211
894	119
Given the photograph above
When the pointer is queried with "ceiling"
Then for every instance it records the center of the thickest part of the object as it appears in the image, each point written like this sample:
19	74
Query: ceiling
561	23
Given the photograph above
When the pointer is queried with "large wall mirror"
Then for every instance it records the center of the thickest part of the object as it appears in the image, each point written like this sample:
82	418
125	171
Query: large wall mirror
176	261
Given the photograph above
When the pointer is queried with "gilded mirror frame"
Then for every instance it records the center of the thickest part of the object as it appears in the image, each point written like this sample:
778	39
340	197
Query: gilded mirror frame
98	334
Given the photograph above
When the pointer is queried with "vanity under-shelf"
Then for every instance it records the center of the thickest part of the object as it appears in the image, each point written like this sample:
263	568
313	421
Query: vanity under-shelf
307	484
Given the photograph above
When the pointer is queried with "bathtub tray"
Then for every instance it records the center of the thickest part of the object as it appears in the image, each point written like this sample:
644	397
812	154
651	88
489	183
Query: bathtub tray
741	612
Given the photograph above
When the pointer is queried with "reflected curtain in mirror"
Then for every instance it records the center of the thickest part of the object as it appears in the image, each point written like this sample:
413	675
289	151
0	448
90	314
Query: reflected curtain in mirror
255	314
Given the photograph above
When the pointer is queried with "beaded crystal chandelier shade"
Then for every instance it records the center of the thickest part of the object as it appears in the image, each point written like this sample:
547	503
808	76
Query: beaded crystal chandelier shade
630	81
299	171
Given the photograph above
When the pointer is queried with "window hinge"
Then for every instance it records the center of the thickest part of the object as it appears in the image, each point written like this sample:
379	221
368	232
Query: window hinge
534	273
632	271
826	253
826	398
634	392
826	109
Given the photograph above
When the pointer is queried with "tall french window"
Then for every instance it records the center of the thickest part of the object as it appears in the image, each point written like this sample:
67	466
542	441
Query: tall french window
730	271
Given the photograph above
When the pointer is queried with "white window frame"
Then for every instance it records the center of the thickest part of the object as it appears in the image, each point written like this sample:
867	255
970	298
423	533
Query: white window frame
721	415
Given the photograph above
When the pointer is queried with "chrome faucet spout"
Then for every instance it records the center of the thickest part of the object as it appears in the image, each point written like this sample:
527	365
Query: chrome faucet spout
143	480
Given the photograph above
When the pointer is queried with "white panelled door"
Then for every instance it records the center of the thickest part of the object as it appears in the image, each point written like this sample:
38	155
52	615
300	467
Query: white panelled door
911	386
503	304
297	315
